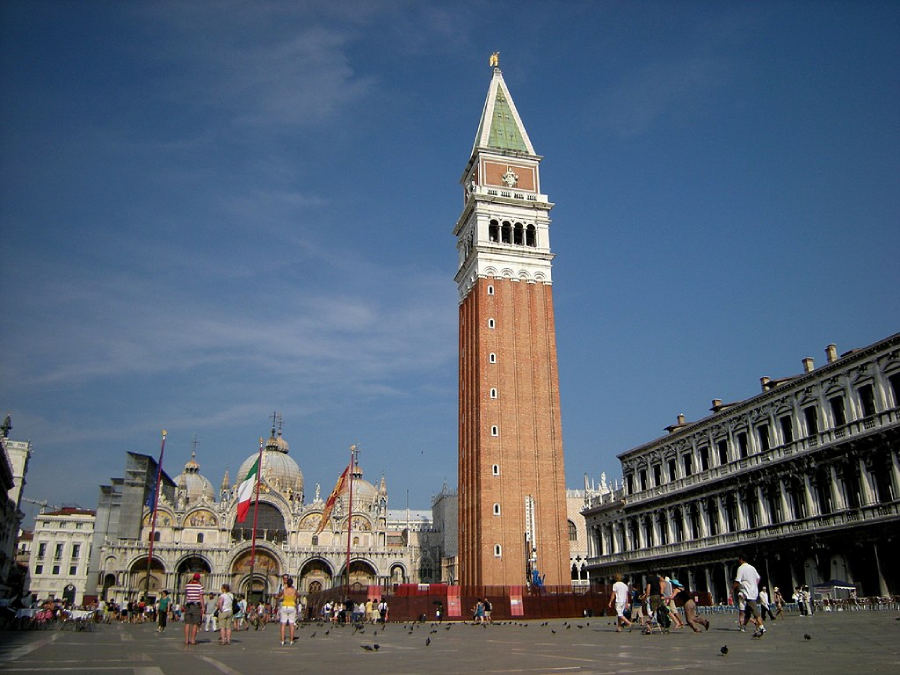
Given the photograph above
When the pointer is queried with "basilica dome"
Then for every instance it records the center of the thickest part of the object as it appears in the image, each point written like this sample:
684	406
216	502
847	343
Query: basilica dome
194	485
364	493
278	469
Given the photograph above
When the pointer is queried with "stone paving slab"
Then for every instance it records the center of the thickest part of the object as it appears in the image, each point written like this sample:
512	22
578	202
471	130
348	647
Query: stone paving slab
845	642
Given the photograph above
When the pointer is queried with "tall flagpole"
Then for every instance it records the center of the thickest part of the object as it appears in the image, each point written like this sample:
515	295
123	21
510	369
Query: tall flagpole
162	450
350	514
255	516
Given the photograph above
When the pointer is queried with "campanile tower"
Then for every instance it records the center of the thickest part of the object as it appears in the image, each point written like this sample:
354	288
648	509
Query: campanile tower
512	499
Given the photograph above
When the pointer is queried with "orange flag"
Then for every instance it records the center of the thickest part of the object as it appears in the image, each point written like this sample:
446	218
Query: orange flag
332	498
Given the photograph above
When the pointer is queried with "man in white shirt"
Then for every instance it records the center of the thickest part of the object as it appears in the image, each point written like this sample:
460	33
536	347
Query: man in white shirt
746	582
620	597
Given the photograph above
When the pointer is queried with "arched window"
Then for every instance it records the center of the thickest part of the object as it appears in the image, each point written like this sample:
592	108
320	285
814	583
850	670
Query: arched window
530	236
493	393
270	526
492	358
494	231
506	231
498	551
496	509
573	532
519	234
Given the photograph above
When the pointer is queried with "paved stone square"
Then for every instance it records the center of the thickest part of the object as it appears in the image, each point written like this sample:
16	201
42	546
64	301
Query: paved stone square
845	642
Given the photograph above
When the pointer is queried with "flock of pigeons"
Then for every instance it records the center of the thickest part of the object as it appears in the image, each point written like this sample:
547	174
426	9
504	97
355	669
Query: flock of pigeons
412	627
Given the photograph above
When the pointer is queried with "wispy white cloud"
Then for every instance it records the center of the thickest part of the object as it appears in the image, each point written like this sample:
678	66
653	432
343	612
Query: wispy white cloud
77	330
657	91
266	64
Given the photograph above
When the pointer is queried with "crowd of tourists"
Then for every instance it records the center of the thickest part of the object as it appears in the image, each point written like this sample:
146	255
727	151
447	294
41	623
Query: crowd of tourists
665	604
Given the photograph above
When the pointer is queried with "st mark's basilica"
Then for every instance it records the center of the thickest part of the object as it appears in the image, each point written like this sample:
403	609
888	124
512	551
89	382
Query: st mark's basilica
197	530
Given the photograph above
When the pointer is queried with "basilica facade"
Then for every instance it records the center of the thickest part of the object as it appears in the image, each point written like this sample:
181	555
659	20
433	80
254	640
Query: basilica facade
196	530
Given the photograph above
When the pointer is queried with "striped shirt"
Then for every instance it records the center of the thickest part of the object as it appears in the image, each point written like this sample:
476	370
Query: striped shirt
193	592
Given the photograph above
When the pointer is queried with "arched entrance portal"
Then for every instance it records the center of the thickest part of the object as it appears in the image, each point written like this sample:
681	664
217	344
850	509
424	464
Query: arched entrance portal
109	581
146	582
362	575
398	575
315	576
187	568
266	569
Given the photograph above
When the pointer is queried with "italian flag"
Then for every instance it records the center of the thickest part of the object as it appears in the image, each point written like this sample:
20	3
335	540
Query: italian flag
245	492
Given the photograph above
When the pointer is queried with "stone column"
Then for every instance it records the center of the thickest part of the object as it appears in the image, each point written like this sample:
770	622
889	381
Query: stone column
670	530
720	514
642	539
654	519
703	517
882	584
812	505
787	506
709	584
728	579
765	518
895	473
739	506
864	484
837	491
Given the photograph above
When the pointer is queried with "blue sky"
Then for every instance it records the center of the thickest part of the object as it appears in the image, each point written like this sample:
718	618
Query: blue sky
212	211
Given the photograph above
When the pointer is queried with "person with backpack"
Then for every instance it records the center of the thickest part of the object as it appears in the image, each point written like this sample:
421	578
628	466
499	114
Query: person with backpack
225	608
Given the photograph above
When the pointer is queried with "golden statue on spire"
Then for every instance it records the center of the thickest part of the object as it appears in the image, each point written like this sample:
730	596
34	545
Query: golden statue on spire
495	60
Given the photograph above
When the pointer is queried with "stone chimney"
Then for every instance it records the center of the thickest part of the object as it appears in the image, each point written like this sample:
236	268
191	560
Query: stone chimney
831	353
808	364
675	427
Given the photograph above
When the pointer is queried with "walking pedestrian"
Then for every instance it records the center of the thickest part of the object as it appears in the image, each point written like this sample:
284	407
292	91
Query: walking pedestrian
685	598
747	582
162	611
779	603
619	597
764	607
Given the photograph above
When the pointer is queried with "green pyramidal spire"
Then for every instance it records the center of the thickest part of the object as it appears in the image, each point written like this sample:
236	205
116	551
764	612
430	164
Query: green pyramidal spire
501	127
